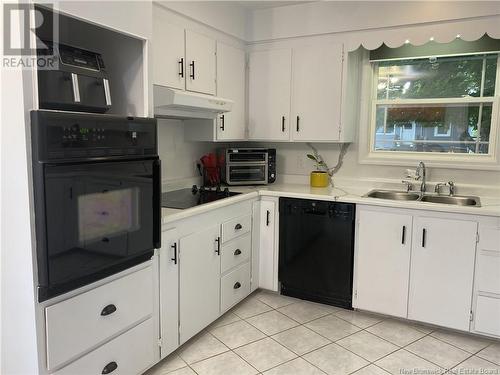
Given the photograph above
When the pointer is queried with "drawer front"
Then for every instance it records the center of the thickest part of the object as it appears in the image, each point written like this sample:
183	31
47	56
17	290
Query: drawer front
130	353
235	286
489	239
488	272
235	252
236	227
82	322
487	313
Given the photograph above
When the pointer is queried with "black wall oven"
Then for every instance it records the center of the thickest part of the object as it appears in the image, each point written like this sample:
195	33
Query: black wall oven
97	190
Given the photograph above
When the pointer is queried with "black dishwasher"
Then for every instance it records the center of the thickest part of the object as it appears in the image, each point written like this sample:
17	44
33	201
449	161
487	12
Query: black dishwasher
316	250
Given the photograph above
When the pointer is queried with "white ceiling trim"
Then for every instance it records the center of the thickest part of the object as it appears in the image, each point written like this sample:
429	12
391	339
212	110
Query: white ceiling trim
441	32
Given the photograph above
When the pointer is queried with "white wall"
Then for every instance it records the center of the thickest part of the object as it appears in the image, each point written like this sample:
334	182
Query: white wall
18	339
341	16
178	157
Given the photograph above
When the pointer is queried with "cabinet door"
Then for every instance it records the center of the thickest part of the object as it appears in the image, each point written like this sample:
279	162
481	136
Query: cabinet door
199	281
269	94
169	65
200	63
268	262
382	262
169	292
316	92
231	85
442	267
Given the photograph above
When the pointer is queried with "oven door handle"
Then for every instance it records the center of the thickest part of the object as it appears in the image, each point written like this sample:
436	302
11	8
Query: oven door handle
157	203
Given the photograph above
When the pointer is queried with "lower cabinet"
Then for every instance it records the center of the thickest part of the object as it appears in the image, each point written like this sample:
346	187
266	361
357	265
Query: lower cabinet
130	353
199	288
110	327
383	247
205	269
417	259
442	272
486	300
169	292
267	242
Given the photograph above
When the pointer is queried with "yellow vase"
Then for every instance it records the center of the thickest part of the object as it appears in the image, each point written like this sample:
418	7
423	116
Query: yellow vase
319	179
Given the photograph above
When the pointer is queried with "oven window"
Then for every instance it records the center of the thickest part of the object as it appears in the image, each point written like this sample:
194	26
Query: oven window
107	214
248	173
98	215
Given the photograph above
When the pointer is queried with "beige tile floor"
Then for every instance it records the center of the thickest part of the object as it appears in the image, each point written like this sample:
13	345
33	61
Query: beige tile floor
276	335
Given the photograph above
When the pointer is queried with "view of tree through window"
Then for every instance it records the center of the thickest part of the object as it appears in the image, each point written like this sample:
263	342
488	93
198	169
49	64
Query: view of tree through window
443	104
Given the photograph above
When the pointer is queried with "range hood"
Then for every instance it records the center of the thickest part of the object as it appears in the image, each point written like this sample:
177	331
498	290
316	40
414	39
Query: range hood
178	104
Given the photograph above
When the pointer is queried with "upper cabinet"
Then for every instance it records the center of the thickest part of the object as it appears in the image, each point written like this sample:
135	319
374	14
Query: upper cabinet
183	59
269	95
200	60
168	55
316	92
231	85
302	94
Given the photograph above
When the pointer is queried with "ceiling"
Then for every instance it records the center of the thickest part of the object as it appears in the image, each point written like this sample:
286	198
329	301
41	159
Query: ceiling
256	5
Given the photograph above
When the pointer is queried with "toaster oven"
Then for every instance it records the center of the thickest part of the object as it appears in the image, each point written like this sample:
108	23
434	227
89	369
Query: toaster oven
248	166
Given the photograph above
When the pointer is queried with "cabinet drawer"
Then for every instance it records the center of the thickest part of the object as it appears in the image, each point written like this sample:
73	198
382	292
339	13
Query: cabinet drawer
82	322
235	252
130	353
488	272
236	227
235	286
487	313
489	239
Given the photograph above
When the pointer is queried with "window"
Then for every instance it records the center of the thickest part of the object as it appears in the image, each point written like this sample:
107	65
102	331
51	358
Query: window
435	105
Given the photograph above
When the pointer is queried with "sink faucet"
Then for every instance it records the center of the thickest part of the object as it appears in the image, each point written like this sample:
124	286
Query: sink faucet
450	185
421	176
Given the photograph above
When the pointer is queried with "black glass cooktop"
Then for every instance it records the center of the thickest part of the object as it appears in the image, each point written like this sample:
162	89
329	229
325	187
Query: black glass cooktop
186	198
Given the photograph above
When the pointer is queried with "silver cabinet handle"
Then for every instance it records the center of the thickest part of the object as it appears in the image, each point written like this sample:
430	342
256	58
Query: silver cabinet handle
76	88
107	92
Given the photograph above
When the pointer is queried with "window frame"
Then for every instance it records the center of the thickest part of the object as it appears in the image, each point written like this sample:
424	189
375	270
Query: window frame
367	134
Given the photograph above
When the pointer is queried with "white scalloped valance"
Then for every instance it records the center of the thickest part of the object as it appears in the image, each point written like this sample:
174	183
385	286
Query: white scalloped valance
444	32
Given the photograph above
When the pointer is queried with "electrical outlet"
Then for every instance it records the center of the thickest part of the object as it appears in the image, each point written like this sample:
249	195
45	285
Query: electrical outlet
300	162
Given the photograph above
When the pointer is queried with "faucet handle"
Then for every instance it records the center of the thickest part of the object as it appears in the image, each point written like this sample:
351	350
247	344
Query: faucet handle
409	185
451	185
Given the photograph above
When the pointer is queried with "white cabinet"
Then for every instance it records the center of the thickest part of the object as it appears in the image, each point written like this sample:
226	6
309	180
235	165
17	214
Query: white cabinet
199	281
182	59
231	85
92	318
168	54
442	270
169	292
131	353
418	259
382	261
269	95
200	60
316	92
486	301
268	245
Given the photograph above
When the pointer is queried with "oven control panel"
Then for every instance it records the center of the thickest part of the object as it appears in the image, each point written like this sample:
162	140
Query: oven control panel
71	135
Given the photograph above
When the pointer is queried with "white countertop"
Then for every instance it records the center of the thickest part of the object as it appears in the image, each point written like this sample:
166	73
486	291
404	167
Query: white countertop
351	194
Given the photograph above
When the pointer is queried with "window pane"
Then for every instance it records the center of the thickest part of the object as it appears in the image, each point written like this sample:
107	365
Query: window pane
433	128
442	77
490	76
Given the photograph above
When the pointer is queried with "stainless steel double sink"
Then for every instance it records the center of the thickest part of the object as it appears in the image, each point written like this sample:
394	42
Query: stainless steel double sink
458	200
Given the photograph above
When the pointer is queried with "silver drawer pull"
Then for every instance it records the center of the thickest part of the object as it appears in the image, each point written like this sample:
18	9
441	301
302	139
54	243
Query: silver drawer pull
237	252
237	285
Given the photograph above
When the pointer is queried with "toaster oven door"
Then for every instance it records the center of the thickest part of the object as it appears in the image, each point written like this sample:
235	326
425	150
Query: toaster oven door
247	174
